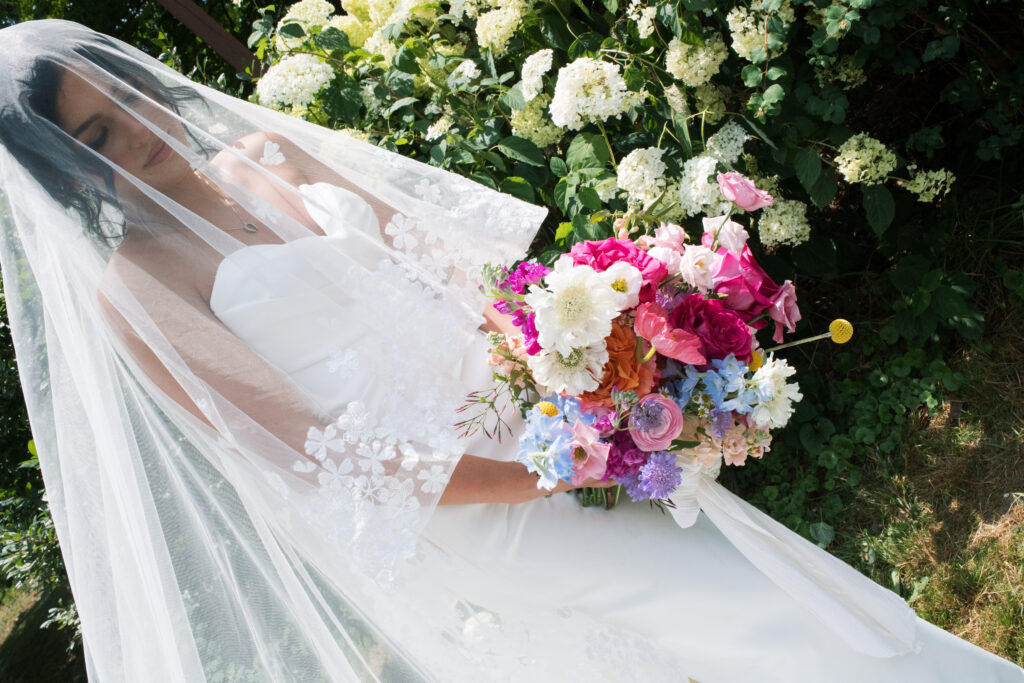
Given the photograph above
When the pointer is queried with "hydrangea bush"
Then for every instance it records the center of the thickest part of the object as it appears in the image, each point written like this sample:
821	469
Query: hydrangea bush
618	115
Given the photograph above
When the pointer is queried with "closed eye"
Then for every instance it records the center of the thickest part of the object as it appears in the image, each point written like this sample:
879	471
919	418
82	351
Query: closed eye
100	140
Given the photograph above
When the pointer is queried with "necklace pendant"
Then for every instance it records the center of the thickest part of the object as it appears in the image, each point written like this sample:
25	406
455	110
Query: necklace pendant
249	227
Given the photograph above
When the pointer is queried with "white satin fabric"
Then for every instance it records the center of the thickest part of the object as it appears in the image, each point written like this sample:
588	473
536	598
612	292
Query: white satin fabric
731	597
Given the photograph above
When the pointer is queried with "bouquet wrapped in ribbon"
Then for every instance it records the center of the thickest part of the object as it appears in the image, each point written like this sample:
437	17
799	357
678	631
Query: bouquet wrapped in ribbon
637	359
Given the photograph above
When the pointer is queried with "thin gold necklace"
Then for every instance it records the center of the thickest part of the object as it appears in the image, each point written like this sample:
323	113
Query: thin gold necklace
248	226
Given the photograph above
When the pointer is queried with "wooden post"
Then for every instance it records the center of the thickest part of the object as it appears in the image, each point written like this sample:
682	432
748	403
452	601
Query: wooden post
213	34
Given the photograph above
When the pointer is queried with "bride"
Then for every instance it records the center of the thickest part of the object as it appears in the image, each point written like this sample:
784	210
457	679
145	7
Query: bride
242	352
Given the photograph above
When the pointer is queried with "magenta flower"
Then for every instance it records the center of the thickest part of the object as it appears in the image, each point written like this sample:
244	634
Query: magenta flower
742	192
602	254
652	324
526	273
721	331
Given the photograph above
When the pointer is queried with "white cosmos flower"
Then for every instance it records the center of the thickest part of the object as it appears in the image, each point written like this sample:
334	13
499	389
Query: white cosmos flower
575	310
573	373
625	281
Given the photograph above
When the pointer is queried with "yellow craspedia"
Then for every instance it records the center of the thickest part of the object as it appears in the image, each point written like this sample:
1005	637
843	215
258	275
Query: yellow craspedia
548	408
841	330
756	361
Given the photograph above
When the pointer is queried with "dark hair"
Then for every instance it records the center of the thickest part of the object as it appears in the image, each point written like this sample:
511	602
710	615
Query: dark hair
46	151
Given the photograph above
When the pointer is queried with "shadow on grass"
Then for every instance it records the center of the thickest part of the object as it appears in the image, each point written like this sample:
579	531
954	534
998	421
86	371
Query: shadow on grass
31	654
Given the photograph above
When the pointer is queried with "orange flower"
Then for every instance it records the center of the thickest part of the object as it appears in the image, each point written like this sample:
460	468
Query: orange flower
622	370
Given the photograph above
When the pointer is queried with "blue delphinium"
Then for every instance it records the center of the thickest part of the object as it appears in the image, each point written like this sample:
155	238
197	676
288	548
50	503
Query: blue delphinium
660	476
570	410
681	390
545	448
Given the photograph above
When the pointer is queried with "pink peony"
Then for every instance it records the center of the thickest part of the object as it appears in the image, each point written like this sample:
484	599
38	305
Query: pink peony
784	310
655	423
602	254
589	453
721	330
743	193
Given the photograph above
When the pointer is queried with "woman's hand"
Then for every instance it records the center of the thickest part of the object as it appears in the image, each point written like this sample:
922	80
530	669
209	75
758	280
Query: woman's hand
480	480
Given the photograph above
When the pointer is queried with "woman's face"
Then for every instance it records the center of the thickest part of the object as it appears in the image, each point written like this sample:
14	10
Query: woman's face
104	123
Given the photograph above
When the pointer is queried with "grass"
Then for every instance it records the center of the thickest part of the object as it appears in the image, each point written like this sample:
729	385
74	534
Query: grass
943	522
29	653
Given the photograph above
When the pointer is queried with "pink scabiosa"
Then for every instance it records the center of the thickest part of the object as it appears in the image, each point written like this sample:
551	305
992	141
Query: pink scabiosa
655	423
602	254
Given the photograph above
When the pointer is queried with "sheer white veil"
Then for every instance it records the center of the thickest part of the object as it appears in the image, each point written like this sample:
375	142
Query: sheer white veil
217	519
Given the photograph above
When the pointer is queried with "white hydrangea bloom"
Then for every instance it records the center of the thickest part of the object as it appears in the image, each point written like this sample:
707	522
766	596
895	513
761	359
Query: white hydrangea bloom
699	191
643	16
642	175
359	9
382	12
928	185
775	396
696	64
863	159
468	8
533	123
844	72
589	90
379	45
306	13
574	310
350	25
495	28
677	100
439	128
293	82
606	188
534	68
710	102
464	74
726	145
748	26
784	222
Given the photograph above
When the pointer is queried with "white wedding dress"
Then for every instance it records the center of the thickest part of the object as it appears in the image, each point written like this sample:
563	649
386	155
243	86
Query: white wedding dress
652	601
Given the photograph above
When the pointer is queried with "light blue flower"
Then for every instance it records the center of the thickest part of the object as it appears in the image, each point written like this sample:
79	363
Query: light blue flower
545	448
570	410
682	390
732	371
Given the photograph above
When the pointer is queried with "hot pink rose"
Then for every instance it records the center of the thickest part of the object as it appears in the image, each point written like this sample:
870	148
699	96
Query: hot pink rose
743	193
721	330
602	254
747	288
655	423
784	310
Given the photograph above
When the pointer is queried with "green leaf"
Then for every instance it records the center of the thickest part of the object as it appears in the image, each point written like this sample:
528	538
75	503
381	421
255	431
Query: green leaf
403	102
682	127
513	99
808	167
405	61
554	31
585	45
563	194
521	149
292	30
332	39
824	189
517	187
668	15
751	76
587	150
941	48
343	102
589	198
563	231
611	5
879	207
776	72
558	167
773	95
822	533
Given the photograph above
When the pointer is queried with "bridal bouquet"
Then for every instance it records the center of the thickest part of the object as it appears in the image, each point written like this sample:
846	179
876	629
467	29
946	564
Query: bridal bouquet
634	358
